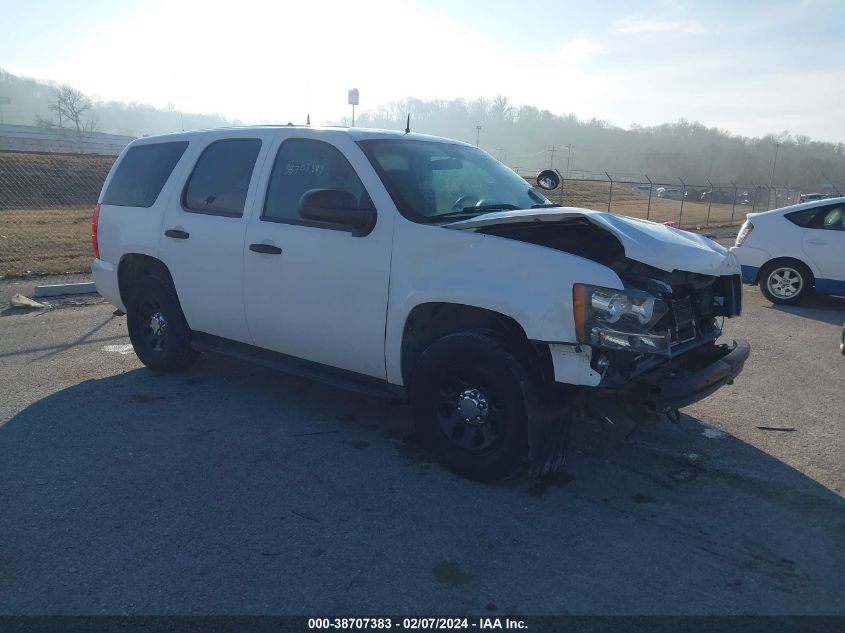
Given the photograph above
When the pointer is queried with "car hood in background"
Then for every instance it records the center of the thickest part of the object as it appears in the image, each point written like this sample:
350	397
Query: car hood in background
648	242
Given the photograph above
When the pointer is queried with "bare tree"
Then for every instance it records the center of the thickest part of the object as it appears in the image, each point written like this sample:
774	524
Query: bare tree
73	110
501	109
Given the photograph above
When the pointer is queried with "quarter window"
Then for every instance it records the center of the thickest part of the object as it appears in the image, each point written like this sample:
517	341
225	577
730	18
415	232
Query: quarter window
220	180
803	218
141	174
304	164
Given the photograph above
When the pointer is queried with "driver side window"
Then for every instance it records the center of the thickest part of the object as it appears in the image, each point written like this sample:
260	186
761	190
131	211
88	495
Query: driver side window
304	164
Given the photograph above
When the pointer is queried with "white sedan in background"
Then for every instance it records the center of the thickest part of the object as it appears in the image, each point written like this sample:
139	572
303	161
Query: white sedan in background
795	251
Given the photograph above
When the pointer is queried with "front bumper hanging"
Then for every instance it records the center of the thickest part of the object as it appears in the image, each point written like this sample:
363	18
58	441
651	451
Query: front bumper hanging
687	379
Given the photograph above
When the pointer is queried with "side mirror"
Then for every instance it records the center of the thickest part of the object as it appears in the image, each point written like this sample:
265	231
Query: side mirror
548	179
338	207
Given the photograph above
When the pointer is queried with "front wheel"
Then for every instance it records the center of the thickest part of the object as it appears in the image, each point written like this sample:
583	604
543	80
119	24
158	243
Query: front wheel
471	400
157	328
786	283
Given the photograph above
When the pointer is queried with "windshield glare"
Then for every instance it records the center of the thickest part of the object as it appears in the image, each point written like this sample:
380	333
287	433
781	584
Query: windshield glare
434	182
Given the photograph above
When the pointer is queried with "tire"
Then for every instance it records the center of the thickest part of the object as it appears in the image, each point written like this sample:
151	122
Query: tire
471	400
786	282
166	344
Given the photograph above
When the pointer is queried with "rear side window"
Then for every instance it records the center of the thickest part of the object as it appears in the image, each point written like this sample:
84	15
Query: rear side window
304	164
141	174
220	180
803	218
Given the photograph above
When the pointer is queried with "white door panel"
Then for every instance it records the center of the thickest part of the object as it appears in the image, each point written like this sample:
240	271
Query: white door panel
324	297
826	248
207	265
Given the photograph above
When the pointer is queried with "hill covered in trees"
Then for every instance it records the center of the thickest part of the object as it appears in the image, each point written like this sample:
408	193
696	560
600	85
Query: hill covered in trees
34	102
522	136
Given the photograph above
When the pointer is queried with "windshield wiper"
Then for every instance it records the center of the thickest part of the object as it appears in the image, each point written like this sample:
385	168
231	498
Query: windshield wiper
504	206
544	206
498	206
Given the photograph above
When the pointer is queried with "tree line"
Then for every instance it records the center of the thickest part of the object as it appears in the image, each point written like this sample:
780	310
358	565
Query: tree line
525	137
528	138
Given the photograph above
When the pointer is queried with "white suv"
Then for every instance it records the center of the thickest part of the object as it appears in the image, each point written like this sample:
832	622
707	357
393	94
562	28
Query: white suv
412	267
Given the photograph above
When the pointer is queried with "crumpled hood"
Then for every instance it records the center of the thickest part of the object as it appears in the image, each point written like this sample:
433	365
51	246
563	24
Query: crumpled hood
648	242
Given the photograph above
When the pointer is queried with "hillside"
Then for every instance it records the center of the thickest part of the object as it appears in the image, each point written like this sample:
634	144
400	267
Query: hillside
31	100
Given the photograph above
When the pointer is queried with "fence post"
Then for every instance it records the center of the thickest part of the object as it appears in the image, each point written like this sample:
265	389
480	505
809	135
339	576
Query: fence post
753	197
683	195
709	205
768	196
610	192
733	207
650	187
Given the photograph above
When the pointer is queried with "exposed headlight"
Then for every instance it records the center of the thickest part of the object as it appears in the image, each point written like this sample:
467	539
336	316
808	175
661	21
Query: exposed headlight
619	319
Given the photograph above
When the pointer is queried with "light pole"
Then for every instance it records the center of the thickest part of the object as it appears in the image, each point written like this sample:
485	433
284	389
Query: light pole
477	135
774	164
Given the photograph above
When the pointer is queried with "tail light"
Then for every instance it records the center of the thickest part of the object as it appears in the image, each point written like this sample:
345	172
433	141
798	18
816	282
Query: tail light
744	232
95	221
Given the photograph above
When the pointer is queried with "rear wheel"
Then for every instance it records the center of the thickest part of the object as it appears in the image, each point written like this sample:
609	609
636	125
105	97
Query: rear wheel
471	399
786	282
157	328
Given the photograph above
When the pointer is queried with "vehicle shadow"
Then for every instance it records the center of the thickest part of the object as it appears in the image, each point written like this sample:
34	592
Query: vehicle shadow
234	490
823	308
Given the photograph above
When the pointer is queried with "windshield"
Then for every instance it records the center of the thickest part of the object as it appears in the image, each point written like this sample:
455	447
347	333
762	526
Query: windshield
437	182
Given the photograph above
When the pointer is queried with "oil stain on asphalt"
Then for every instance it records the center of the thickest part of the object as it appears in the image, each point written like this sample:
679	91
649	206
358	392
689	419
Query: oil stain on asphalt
451	574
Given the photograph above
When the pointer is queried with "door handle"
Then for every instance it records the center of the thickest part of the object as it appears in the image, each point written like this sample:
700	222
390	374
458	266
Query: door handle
267	249
817	242
176	234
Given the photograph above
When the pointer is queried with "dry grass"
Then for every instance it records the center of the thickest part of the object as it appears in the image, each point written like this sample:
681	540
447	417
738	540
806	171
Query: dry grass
59	240
45	240
625	201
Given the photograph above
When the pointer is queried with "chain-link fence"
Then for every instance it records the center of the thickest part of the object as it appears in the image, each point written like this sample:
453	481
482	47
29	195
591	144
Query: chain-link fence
685	205
46	202
45	211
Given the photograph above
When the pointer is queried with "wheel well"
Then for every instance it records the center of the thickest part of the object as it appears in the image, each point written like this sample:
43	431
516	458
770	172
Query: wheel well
785	260
134	265
431	321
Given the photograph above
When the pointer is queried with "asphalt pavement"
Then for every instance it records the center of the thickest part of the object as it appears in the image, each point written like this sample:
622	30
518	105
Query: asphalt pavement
230	489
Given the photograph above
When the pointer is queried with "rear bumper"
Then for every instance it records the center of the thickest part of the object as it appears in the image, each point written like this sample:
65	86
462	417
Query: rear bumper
749	274
105	278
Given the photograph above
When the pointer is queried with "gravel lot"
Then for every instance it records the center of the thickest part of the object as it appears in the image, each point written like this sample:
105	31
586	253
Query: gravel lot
233	490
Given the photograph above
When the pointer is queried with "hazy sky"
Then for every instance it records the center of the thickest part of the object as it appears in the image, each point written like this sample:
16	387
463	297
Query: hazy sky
749	67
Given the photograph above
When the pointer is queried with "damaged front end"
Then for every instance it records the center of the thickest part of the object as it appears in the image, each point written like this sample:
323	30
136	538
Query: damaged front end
646	349
666	356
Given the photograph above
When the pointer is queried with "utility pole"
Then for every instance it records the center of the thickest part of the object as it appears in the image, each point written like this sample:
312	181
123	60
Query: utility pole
568	157
552	151
477	135
774	164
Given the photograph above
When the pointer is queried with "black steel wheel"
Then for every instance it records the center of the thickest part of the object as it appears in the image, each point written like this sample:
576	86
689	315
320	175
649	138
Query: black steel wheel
157	328
471	399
